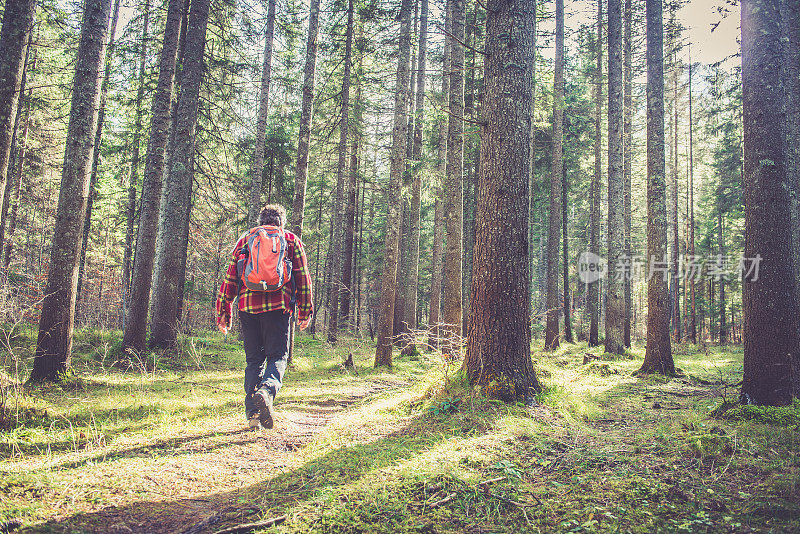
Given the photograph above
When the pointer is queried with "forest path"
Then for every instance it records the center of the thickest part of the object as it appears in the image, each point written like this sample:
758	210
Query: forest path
189	483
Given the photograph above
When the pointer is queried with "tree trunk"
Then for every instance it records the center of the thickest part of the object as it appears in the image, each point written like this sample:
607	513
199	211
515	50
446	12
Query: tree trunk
261	123
565	263
615	298
410	315
551	340
593	289
532	163
627	155
658	354
676	282
723	327
692	250
306	114
173	220
350	225
135	331
454	189
54	343
790	15
438	223
133	180
337	263
17	154
383	351
769	301
98	138
498	336
14	36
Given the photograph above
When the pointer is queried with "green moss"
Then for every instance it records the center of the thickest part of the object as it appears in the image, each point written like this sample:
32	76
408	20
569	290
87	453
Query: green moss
771	415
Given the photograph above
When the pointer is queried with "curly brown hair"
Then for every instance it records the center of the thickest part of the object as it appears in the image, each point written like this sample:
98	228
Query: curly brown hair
272	215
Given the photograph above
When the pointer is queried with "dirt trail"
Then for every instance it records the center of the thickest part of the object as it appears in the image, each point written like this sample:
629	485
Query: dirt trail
195	481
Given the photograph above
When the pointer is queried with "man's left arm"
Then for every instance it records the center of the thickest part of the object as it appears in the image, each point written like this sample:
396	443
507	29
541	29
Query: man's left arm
302	277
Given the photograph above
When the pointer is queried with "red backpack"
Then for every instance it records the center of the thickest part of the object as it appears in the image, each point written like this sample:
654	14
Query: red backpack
264	261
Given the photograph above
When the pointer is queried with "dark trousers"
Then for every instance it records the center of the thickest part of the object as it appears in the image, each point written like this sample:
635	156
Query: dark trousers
266	349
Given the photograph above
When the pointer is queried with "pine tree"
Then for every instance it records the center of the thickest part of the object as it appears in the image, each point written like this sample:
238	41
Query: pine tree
551	341
54	343
769	301
135	320
593	289
261	122
658	354
14	37
498	336
383	351
615	299
173	218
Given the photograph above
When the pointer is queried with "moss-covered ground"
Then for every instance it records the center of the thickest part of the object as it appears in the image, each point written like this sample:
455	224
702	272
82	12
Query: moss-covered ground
160	446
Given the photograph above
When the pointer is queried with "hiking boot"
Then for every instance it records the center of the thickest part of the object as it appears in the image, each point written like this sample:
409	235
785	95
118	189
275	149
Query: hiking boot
263	400
253	423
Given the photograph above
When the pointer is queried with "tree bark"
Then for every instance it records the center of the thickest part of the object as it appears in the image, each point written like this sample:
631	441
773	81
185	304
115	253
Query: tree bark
769	300
135	321
790	17
498	336
532	162
98	138
551	340
54	343
257	170
692	251
615	298
17	154
383	351
593	289
723	319
14	36
133	179
454	189
675	240
349	280
627	149
658	354
410	315
173	217
337	263
306	115
438	223
565	262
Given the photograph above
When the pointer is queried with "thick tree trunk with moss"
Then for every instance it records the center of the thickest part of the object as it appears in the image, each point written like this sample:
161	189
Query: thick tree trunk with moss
769	300
551	340
658	354
306	114
615	298
135	321
454	189
532	165
257	171
593	289
17	23
337	262
173	220
383	351
498	336
54	343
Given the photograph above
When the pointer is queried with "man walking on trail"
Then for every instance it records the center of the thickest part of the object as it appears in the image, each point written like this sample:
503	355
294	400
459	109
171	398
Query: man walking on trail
269	273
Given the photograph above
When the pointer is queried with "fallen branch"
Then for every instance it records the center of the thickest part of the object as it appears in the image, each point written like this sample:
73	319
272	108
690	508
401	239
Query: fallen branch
179	381
250	527
440	502
491	481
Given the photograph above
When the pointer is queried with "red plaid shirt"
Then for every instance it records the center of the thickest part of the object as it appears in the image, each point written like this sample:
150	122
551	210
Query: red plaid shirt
264	301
